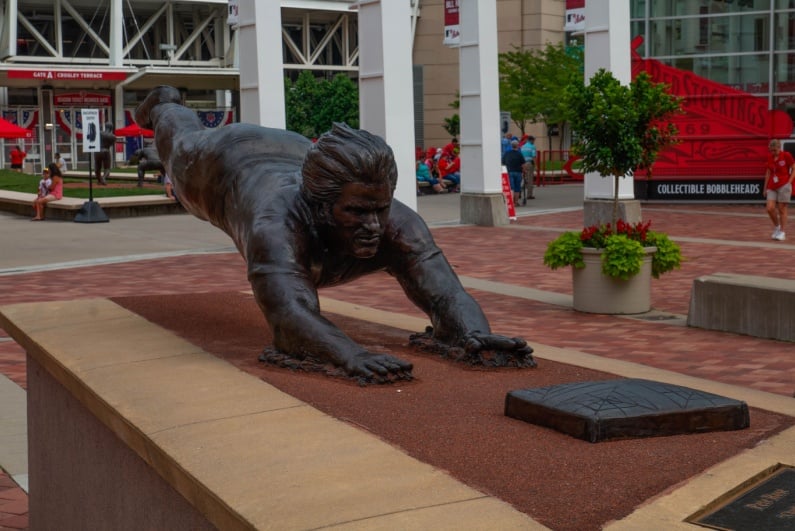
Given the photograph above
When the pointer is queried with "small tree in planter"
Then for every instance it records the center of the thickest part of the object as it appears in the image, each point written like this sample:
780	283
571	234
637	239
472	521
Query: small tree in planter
620	128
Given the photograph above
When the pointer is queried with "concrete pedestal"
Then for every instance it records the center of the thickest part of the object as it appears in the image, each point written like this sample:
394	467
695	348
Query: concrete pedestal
600	211
486	210
131	427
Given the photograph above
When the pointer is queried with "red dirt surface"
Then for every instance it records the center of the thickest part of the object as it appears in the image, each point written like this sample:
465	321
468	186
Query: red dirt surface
451	416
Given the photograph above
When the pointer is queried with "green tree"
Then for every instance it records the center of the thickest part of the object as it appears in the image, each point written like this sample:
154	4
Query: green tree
452	124
532	83
620	128
301	100
339	103
313	104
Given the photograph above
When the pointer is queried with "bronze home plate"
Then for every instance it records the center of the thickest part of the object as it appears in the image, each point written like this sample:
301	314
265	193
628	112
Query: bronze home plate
625	408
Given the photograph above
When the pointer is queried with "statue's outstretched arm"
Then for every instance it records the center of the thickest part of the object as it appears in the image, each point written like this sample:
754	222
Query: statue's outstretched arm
430	282
290	304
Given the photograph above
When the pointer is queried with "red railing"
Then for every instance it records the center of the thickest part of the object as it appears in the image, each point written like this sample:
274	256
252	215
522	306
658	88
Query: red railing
554	166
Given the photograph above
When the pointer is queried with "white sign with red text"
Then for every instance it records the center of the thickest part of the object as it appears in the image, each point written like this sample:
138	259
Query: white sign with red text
508	195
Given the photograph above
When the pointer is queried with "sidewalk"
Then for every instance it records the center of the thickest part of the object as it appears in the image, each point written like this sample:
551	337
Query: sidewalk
501	266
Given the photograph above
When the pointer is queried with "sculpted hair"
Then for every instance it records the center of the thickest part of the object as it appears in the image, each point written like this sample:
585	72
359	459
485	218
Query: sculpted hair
345	155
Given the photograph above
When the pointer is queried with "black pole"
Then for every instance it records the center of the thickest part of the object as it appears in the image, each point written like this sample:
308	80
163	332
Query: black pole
90	175
91	212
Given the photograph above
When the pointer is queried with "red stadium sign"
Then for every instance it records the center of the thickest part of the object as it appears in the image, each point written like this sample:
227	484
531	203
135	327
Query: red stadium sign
67	75
723	132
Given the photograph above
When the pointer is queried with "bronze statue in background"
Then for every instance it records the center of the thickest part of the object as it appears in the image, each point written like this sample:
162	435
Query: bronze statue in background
102	158
148	159
308	215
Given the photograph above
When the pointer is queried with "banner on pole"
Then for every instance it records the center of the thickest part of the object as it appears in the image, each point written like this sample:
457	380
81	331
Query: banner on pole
452	31
575	15
508	195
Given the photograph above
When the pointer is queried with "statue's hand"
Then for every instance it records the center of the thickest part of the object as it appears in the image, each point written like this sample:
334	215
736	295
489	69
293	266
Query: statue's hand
378	368
478	348
365	367
515	348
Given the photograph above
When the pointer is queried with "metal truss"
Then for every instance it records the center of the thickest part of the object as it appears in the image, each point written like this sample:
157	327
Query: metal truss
317	34
115	32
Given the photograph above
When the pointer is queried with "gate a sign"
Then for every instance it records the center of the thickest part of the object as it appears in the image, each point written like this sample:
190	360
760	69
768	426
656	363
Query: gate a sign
723	133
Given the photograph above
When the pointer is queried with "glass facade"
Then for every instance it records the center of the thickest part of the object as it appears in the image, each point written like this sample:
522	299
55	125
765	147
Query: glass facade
746	44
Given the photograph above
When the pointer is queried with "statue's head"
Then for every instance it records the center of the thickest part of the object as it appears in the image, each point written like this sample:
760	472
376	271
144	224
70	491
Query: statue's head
349	177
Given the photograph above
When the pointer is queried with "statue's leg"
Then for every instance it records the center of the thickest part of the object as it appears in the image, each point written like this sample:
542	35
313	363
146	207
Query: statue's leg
98	167
162	110
106	174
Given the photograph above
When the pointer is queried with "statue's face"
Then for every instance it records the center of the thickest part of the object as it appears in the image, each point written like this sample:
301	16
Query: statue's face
359	216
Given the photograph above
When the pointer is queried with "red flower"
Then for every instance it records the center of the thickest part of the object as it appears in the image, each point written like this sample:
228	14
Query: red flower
595	235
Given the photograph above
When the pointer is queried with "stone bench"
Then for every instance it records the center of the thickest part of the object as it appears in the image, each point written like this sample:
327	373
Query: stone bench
115	207
424	187
744	304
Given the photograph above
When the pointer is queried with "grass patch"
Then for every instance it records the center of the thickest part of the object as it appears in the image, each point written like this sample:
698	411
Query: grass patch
26	183
557	165
126	169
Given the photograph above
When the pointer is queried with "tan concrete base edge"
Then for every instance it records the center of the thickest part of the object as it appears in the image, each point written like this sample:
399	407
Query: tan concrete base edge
240	453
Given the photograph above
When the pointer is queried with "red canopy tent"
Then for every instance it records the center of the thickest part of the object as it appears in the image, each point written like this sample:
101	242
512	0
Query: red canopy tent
10	130
134	130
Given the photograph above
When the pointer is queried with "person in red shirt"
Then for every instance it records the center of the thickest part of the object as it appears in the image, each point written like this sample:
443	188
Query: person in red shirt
450	168
779	174
17	158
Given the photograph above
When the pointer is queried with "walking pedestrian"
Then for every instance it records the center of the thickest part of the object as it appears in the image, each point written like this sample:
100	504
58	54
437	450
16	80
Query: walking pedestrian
513	162
779	174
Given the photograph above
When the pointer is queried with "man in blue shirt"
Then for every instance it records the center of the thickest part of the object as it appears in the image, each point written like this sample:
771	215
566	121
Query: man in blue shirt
513	162
528	150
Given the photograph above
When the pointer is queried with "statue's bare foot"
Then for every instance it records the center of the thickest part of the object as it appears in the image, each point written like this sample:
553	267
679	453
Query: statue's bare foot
488	350
364	367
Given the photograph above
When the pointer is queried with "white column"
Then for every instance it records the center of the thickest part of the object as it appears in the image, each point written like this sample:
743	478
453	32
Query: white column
115	45
118	107
261	70
386	94
607	37
480	98
482	202
116	58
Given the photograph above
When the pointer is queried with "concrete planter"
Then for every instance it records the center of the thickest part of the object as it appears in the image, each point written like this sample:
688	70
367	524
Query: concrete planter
595	292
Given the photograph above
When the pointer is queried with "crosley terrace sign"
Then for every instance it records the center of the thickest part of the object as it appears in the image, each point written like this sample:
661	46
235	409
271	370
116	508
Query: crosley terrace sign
67	75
